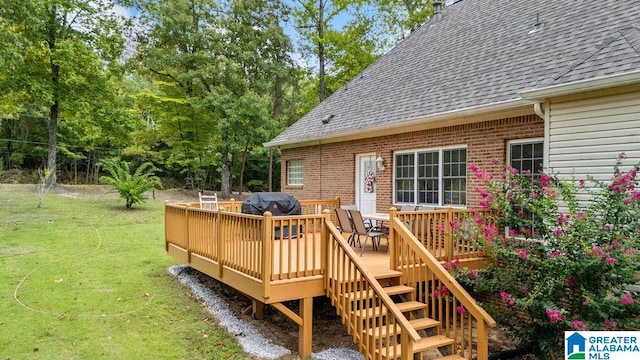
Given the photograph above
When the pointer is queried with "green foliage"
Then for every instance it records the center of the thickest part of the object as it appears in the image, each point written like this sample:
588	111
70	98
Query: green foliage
217	71
130	186
566	264
61	62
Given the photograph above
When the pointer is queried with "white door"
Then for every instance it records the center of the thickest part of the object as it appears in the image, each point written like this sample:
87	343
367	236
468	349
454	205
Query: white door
365	183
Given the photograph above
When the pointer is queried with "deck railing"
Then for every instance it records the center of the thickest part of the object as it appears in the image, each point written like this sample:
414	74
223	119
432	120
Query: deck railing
436	230
265	248
461	317
370	315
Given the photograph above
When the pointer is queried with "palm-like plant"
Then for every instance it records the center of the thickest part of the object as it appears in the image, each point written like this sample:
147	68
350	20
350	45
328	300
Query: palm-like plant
130	186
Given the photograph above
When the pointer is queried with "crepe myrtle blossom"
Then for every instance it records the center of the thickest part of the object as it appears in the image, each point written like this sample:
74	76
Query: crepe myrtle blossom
555	316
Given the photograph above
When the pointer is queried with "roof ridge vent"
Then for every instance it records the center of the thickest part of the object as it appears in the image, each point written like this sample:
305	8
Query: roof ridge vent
437	11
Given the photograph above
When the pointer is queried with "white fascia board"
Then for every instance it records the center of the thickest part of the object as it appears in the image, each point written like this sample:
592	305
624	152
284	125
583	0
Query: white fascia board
439	117
575	87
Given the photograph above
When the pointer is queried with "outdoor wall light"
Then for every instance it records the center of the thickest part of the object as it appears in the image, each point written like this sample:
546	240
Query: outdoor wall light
380	162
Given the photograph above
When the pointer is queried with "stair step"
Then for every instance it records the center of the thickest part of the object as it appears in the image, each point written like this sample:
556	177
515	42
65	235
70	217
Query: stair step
418	324
432	342
387	274
398	290
411	306
390	290
424	323
370	312
452	357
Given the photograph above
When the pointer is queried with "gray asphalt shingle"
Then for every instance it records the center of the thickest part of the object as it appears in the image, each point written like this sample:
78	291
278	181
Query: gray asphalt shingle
480	53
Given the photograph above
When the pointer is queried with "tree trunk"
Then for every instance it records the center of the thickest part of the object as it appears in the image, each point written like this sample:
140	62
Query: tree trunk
271	169
50	171
242	165
321	58
225	174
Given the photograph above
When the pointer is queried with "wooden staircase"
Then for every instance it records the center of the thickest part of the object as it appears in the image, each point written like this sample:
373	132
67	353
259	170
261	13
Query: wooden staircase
403	297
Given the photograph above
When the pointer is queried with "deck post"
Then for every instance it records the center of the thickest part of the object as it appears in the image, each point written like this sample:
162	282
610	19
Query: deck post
324	245
267	249
305	334
448	235
166	227
257	309
393	258
482	346
186	233
220	241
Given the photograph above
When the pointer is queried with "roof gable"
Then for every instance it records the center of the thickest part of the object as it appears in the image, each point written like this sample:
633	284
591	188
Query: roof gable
480	53
619	54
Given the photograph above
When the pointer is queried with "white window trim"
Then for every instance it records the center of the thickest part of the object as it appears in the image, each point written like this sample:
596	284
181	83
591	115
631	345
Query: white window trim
525	141
289	172
508	157
440	150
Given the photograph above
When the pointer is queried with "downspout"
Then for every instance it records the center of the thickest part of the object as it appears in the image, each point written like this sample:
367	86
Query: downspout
537	108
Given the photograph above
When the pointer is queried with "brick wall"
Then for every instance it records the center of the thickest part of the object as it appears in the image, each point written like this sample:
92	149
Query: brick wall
329	169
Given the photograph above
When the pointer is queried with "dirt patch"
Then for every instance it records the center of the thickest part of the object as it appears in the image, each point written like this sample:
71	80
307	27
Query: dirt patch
328	330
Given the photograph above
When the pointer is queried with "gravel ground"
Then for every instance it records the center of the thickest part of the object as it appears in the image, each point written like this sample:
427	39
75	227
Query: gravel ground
249	337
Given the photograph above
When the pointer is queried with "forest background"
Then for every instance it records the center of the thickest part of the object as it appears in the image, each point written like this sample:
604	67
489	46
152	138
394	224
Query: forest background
193	86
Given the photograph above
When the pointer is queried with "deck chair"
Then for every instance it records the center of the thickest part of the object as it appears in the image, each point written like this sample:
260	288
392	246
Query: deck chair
361	230
345	225
408	208
208	201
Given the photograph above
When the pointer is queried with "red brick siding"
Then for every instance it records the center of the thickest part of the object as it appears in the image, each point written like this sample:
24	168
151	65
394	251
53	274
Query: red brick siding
329	169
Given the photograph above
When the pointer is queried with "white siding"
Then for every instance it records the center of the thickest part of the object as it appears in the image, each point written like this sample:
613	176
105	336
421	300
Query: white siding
586	136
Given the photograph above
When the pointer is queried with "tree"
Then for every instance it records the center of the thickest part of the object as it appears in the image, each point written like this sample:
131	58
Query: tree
130	186
398	18
221	61
313	19
57	56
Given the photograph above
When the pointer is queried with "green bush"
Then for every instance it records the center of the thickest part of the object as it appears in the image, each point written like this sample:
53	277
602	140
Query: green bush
130	186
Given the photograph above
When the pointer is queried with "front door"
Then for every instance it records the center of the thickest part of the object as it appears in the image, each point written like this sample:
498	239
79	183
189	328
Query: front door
366	183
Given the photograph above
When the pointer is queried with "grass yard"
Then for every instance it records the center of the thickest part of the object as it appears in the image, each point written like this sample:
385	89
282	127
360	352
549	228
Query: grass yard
91	283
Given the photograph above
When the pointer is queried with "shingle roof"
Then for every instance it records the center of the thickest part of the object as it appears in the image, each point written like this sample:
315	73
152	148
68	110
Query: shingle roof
618	55
480	53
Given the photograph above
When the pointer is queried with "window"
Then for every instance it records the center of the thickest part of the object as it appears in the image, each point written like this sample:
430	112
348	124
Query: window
526	156
294	172
431	177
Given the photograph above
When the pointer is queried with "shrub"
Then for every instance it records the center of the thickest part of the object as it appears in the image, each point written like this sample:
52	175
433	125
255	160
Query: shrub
563	263
130	186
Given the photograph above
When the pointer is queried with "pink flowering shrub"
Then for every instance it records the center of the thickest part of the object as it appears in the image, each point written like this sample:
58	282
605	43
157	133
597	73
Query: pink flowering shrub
564	263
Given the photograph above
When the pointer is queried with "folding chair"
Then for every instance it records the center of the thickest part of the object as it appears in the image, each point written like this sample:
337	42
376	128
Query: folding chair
208	201
361	229
345	225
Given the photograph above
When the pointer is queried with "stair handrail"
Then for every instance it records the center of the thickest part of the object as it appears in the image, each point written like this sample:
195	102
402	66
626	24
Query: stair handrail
442	274
400	319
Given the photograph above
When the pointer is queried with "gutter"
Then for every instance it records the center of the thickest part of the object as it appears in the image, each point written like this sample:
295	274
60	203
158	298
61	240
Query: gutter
387	128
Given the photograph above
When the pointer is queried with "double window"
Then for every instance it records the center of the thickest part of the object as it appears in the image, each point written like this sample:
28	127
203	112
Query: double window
431	177
295	172
526	156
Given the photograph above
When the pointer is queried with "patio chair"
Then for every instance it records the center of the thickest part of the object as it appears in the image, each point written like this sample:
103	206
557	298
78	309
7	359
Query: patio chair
208	201
361	230
408	208
345	225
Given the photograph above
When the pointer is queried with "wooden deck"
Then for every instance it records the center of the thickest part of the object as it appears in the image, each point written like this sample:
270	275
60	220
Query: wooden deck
262	257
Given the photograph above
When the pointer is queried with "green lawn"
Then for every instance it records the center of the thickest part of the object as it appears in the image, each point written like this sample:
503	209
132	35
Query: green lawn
91	283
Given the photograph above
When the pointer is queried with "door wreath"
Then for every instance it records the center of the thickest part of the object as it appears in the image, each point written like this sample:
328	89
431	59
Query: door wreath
369	178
